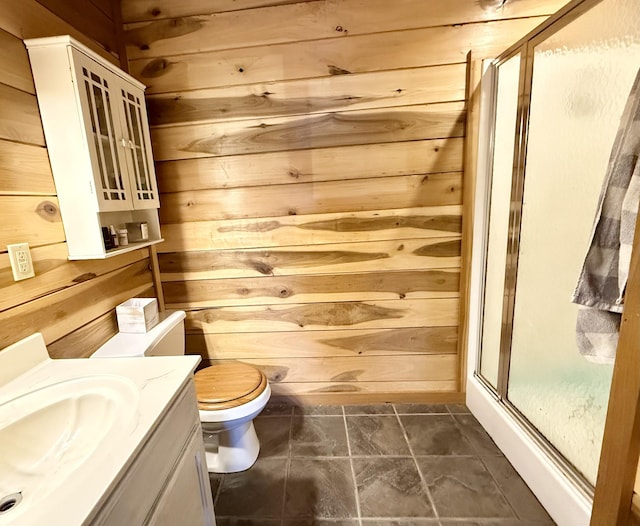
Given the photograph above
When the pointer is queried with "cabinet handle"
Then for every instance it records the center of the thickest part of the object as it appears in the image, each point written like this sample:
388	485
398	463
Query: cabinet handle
123	142
130	144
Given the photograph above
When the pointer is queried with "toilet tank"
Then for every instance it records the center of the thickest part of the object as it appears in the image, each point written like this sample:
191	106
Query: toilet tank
165	339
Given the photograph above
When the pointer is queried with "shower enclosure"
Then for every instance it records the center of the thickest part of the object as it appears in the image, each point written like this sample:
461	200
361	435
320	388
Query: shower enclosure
550	110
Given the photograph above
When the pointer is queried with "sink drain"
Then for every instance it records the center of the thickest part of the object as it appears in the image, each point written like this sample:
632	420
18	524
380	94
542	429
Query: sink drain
8	502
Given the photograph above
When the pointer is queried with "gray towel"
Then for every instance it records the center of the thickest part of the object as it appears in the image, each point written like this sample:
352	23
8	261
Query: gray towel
602	282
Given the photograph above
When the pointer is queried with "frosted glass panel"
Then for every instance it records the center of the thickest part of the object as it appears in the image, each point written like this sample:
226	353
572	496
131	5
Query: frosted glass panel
504	136
581	79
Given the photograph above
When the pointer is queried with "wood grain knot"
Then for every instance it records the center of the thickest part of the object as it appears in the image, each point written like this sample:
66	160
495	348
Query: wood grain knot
48	211
445	249
155	11
156	68
274	373
84	277
335	70
284	293
262	267
340	388
348	376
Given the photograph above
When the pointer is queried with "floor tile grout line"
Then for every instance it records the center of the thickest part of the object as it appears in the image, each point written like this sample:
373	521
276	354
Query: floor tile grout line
218	490
466	438
422	480
287	469
504	495
353	471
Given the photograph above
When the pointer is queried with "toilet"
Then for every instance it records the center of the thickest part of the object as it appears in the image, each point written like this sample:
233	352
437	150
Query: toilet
230	395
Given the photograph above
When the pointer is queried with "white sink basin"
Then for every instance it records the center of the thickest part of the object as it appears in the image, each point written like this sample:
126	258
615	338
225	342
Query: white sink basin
47	433
71	429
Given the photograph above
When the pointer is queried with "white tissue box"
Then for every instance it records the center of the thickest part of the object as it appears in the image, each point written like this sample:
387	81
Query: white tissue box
137	315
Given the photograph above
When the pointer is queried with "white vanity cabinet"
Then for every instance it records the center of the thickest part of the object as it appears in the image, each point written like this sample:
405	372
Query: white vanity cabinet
95	123
167	484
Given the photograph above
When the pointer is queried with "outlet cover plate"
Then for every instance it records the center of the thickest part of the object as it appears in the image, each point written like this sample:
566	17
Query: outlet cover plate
20	258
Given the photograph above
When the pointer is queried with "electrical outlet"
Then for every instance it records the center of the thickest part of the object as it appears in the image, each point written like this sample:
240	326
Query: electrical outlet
21	263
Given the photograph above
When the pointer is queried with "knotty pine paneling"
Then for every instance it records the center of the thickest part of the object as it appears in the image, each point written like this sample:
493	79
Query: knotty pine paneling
313	229
430	121
31	19
15	63
311	182
31	218
70	302
336	56
141	10
387	314
433	392
325	343
87	18
274	290
20	117
25	169
54	272
424	375
83	342
335	93
338	258
60	313
425	367
264	169
313	198
313	20
110	8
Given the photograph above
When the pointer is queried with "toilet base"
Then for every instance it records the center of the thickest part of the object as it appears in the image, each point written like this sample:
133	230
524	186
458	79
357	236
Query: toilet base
231	450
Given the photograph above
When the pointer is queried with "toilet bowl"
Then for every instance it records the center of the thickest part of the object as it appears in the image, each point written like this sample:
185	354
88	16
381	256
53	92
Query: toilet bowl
230	394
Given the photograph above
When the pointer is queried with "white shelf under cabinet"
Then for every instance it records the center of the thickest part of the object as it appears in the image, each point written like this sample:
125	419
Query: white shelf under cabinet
120	250
97	133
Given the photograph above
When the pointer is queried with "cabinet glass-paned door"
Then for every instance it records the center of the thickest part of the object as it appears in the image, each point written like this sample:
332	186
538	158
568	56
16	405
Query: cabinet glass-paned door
97	93
144	193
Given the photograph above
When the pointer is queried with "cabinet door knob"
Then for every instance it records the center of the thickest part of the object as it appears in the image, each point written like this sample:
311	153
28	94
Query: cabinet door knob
123	141
130	144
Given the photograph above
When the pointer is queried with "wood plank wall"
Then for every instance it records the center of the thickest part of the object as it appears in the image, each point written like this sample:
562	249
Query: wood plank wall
310	159
71	303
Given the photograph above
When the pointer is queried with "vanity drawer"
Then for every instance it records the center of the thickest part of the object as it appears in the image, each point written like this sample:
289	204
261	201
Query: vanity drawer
136	493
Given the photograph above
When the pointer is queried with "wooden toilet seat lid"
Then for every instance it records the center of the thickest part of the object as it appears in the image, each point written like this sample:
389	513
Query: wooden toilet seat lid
229	384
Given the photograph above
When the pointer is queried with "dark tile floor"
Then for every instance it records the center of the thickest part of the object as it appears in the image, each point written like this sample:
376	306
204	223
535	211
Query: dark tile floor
382	465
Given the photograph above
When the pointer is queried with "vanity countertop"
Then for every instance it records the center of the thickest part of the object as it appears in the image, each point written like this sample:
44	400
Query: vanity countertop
151	386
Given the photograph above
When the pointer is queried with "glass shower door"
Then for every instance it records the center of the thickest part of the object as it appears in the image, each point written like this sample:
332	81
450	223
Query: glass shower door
507	79
582	75
578	75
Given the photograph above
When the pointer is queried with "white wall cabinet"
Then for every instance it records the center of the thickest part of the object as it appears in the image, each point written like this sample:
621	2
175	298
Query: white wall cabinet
97	133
